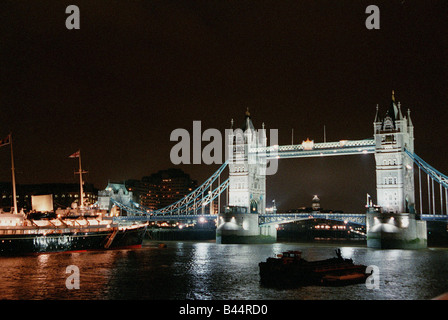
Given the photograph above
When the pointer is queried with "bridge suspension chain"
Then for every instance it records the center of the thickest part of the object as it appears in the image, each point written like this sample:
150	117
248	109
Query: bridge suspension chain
190	204
193	196
195	206
434	175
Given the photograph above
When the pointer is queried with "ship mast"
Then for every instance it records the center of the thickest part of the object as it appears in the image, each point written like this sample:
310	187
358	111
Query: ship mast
81	183
77	154
4	142
81	191
14	193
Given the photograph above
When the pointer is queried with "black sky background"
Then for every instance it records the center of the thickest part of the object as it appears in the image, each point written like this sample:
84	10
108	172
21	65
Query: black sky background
137	70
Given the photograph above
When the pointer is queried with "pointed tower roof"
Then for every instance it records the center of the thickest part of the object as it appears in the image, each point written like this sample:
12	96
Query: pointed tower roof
410	124
399	115
247	122
376	115
392	112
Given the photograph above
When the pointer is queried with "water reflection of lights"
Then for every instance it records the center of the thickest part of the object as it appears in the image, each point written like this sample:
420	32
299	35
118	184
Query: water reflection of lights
201	265
395	254
201	257
42	273
43	260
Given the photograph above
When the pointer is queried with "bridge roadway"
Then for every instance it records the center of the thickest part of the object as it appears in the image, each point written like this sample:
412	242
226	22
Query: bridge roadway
266	219
343	147
263	218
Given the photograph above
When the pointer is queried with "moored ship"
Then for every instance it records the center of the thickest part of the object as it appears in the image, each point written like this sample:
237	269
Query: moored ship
78	229
19	235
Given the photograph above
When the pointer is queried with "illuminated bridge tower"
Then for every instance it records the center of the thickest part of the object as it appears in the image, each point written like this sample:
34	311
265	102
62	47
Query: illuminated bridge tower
247	188
247	179
393	224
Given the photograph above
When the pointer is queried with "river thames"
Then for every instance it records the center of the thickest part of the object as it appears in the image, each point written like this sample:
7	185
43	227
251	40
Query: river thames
209	271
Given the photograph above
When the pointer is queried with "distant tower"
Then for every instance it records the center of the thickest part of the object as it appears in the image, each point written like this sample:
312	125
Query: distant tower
394	169
247	186
316	203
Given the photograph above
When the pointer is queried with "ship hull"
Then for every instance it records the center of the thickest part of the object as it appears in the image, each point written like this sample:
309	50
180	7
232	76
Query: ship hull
129	238
26	244
23	244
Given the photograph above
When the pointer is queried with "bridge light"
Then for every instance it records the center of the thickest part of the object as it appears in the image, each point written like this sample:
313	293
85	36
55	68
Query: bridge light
201	219
308	144
405	222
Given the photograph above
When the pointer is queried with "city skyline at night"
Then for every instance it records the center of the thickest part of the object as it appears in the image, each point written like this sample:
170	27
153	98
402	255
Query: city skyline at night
211	157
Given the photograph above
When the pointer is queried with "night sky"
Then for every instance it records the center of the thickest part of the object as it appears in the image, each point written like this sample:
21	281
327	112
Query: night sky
137	70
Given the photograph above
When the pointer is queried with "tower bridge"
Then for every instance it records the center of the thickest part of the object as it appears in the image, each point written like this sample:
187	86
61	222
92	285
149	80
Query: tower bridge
394	222
267	218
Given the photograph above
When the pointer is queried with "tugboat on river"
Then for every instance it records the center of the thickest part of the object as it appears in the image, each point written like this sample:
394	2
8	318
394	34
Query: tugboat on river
289	269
